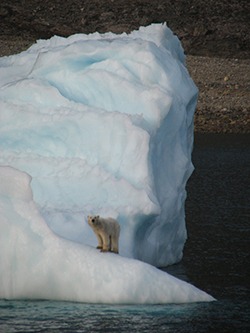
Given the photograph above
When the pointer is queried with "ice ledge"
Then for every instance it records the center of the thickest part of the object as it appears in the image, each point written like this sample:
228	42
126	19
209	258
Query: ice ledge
37	264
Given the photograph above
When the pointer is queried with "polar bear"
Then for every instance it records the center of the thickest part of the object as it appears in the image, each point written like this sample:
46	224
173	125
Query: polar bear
107	231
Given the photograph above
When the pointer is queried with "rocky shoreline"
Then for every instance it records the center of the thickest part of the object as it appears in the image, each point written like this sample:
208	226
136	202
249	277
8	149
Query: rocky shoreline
224	94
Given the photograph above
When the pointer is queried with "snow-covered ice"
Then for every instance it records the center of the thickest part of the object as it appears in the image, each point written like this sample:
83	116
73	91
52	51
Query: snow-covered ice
95	124
37	264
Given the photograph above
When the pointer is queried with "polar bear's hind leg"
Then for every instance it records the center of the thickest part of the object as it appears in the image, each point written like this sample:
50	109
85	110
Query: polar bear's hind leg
114	242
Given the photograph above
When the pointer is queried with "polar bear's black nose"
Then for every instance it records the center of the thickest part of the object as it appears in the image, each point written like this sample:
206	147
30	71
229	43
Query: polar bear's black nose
93	220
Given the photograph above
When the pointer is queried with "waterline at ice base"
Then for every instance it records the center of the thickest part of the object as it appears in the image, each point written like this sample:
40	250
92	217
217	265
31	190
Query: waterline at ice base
95	124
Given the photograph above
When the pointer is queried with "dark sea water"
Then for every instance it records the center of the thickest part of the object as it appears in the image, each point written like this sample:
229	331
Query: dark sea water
47	316
216	259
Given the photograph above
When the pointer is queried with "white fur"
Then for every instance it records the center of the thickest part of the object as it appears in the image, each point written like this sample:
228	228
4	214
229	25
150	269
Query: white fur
107	231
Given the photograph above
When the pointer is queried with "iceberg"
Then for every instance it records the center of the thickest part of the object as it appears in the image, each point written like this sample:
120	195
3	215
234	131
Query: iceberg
37	264
95	124
103	124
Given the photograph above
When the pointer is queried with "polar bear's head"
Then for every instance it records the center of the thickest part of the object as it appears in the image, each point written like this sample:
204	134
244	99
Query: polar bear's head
93	220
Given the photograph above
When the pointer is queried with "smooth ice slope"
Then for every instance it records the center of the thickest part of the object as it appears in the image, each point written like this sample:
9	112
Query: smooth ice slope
37	264
103	124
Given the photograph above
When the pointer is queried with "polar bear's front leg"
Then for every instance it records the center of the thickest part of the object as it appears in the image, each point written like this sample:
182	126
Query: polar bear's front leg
100	242
105	239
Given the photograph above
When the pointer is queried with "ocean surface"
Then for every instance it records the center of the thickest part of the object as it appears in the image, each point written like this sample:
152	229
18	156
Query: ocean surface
216	259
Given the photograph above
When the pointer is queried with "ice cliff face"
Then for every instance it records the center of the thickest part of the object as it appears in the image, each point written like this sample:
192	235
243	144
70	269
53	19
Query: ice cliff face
103	124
